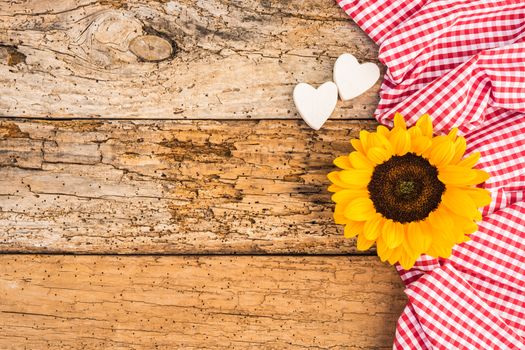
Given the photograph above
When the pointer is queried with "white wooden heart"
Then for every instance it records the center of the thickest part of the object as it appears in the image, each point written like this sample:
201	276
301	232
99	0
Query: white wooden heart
352	78
315	105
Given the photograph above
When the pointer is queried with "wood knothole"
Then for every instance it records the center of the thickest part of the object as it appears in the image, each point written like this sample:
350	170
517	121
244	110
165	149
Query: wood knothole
151	48
115	38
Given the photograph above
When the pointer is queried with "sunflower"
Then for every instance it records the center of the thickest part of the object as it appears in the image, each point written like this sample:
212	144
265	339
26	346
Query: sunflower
408	192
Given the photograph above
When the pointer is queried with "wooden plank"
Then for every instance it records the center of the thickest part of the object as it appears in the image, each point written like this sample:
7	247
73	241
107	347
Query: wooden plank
170	186
172	59
102	302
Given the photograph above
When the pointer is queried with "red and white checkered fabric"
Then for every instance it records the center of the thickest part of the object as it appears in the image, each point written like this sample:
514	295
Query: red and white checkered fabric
463	62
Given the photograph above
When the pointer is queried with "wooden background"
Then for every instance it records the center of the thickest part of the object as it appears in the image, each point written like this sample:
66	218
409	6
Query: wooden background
158	189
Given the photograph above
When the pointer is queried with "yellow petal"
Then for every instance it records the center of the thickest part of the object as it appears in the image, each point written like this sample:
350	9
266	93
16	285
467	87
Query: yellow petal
460	145
460	176
460	203
392	233
407	260
334	188
363	243
425	124
382	250
406	246
379	140
379	155
464	239
440	248
481	176
383	130
359	161
480	196
356	177
420	144
456	175
373	227
364	136
358	146
339	217
395	255
400	140
462	225
415	132
419	237
399	121
438	220
470	161
353	228
335	177
438	139
441	152
453	134
360	209
343	162
347	195
469	228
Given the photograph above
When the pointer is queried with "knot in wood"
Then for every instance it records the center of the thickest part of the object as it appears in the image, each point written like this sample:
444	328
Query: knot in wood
151	48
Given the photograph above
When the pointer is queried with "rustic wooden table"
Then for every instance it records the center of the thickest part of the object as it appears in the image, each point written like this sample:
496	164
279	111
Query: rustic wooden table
158	190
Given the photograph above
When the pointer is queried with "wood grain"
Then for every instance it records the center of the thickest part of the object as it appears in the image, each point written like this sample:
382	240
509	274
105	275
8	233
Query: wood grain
170	186
213	59
107	302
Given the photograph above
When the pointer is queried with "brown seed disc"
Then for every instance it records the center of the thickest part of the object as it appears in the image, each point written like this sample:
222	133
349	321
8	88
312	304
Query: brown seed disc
405	188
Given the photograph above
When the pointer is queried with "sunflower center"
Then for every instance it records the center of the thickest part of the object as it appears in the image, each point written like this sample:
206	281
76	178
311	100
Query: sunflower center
405	188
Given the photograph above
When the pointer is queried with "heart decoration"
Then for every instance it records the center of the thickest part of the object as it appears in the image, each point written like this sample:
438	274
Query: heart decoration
353	79
315	105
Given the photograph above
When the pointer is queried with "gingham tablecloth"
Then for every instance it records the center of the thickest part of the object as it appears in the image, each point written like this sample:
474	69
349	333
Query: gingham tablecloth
463	62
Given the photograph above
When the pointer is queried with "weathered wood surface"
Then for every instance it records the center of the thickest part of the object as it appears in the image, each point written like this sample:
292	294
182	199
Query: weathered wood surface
97	302
170	186
206	59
